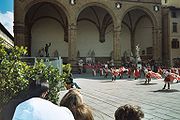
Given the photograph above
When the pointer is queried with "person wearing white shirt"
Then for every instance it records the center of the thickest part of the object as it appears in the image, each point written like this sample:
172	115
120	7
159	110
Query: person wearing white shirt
37	108
41	109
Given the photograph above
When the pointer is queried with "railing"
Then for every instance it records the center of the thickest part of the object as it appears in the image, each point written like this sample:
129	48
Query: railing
56	62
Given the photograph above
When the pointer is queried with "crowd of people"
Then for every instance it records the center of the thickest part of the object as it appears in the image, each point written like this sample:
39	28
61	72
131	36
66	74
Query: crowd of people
146	71
71	107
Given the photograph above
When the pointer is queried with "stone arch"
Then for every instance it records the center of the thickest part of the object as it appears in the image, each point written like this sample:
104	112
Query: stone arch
56	2
144	9
98	5
33	15
146	14
98	19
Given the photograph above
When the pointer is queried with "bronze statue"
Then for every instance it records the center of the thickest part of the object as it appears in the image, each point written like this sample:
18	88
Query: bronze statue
47	49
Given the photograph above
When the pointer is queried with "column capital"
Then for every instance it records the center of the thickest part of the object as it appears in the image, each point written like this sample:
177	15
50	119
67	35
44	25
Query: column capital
117	29
72	26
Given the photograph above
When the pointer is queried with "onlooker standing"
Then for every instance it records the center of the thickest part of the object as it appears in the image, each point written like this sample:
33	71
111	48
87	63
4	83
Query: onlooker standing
73	100
69	83
41	109
38	108
36	89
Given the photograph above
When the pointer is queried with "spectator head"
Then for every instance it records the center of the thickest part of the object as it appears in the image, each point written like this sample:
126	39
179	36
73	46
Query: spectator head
68	85
39	89
72	99
129	112
82	112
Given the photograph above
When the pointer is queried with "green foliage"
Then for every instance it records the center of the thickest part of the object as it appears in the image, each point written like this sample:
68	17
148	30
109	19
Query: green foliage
15	75
12	73
43	73
66	71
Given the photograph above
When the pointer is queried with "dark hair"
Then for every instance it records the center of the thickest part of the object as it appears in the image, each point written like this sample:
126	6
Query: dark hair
38	89
129	112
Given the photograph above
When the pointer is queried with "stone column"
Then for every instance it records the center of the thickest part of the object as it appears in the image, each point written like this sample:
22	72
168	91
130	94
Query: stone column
157	45
133	45
116	46
19	31
27	37
72	52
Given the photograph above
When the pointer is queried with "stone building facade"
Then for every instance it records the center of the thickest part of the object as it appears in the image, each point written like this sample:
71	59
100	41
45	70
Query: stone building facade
171	32
6	36
77	28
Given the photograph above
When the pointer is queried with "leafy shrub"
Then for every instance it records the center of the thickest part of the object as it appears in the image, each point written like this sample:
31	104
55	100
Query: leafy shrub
66	71
40	72
12	73
16	75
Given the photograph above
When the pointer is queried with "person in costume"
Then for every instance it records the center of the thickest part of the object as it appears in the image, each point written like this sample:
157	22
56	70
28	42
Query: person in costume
113	73
136	73
150	74
169	78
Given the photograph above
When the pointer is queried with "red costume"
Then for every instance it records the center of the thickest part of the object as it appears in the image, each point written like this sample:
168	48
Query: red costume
121	71
173	76
160	71
101	71
129	72
152	74
136	73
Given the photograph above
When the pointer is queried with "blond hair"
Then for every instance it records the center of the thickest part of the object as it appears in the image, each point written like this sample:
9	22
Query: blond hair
72	99
82	112
74	102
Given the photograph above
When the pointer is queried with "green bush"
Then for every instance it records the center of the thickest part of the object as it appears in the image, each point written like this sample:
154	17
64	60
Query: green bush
66	71
15	75
41	72
12	73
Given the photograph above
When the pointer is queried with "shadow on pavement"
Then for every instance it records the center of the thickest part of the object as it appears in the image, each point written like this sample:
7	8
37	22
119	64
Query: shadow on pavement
147	84
167	90
107	81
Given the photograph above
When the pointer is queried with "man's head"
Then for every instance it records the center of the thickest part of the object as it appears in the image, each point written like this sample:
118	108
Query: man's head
129	112
40	89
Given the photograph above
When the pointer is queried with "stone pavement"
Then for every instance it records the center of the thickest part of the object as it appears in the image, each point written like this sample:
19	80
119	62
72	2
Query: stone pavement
105	97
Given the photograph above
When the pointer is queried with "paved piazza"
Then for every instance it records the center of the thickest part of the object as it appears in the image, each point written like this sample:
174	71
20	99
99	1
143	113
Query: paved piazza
105	97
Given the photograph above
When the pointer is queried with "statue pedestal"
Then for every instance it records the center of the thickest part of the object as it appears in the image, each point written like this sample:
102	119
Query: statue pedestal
74	66
117	63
